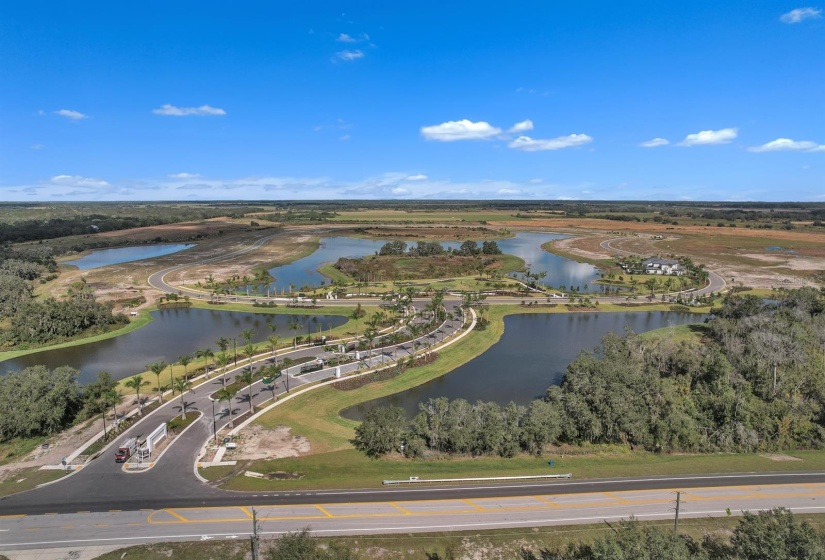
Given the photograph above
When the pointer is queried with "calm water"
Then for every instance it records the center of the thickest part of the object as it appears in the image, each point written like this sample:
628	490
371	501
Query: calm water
105	257
533	353
173	332
560	271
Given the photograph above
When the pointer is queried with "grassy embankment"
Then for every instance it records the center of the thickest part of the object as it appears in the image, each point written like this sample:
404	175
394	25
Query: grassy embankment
27	479
334	463
496	543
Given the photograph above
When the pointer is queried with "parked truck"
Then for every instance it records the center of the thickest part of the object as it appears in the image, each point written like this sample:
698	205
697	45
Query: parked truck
126	450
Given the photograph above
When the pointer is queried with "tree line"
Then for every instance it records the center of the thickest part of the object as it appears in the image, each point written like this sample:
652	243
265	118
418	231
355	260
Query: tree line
37	401
757	383
433	248
765	535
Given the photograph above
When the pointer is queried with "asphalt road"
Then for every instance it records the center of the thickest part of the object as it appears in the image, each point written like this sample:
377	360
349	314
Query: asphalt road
431	510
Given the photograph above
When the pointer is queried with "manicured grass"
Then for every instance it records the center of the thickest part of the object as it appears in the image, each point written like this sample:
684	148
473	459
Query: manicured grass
348	468
335	275
26	479
680	333
603	264
143	319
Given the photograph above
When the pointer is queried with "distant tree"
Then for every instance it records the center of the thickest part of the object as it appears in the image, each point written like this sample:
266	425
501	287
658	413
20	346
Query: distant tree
135	383
490	248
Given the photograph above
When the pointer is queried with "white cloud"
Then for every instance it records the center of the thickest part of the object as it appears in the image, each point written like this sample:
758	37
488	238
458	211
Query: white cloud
69	114
508	191
78	181
801	14
528	144
536	181
709	137
184	175
418	177
464	129
656	142
344	38
786	144
345	137
349	56
168	110
522	126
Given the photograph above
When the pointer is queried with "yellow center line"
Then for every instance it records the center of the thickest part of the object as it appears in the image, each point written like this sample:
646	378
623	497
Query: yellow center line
67	526
325	512
616	497
472	505
399	508
546	501
173	513
246	511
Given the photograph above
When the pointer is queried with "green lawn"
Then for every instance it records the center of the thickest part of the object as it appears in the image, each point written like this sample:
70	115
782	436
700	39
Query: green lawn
16	448
27	479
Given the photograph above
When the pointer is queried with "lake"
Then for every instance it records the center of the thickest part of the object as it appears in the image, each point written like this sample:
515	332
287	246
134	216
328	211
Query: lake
173	333
105	257
533	353
526	245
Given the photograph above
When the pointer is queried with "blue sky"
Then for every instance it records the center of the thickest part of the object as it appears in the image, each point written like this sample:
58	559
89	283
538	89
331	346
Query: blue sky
699	100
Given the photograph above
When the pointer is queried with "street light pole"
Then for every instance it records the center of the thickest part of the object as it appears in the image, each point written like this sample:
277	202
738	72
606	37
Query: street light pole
214	429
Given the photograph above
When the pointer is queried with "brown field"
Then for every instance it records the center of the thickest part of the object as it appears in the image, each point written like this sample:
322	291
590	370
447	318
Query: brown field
739	255
443	233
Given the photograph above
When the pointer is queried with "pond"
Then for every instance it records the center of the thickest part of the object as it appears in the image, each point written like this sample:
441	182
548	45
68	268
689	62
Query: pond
526	245
173	332
105	257
533	353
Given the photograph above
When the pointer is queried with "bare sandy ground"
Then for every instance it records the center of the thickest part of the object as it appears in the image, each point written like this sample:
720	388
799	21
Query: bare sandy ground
261	443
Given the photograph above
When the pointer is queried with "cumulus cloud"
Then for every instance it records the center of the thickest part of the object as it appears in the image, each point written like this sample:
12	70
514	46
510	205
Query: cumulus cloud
800	14
786	144
418	177
528	144
655	143
184	175
168	110
348	56
345	38
69	114
522	126
710	137
464	129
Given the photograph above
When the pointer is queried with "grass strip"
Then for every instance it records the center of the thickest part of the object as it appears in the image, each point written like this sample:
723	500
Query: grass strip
27	479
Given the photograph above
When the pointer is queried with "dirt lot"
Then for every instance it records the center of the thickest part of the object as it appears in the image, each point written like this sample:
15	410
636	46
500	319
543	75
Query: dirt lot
260	443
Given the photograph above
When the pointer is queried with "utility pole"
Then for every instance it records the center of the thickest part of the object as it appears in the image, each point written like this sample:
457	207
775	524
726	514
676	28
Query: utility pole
675	520
254	536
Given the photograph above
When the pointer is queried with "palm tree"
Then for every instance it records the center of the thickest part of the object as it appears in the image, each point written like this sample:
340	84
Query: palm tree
206	353
136	382
370	335
294	326
181	385
272	327
356	314
273	345
247	378
223	360
250	351
223	343
115	396
157	368
227	394
185	360
247	335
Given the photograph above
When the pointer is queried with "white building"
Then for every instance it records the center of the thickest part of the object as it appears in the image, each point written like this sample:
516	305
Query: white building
657	265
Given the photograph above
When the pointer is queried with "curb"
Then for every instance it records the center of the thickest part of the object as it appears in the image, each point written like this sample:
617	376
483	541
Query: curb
165	449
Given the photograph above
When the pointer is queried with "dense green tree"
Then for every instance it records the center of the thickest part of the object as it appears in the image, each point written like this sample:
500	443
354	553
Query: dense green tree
381	432
36	401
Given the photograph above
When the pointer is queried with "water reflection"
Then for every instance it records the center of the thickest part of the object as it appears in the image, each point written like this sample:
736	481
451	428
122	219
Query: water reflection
533	353
105	257
526	245
173	332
